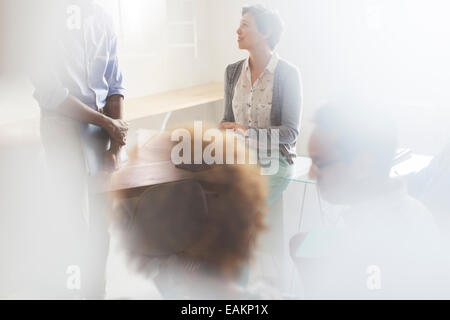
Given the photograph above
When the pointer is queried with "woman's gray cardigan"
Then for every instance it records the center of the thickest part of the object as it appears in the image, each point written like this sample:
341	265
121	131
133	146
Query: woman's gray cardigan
286	103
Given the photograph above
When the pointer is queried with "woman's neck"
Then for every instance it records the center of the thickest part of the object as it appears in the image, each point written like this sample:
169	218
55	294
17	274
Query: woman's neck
259	59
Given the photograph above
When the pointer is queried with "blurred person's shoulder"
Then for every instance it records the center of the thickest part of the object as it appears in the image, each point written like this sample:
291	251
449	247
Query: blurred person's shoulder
415	221
395	207
414	213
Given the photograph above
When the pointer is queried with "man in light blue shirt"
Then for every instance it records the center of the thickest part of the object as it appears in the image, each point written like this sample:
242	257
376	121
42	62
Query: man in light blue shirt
79	75
78	86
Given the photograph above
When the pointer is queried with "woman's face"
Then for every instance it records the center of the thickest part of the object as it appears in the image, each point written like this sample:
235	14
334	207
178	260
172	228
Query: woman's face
248	34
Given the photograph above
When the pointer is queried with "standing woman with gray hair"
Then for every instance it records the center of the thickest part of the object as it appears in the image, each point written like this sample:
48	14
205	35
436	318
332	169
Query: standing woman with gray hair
264	92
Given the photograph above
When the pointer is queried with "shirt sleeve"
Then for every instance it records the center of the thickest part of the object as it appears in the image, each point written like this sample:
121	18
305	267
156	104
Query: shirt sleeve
113	72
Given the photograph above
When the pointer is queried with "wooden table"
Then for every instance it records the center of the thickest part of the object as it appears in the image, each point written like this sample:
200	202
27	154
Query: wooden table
149	164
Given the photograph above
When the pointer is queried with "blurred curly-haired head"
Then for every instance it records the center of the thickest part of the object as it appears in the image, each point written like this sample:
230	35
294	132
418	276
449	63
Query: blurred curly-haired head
212	218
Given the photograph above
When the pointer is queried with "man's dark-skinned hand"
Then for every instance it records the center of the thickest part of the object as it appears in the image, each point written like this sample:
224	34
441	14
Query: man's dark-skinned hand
118	132
111	121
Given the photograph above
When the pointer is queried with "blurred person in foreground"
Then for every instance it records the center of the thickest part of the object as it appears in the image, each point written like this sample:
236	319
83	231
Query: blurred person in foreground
194	236
78	86
431	186
386	244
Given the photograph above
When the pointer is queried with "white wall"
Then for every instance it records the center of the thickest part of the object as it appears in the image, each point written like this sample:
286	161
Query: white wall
17	102
149	61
